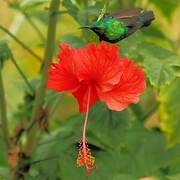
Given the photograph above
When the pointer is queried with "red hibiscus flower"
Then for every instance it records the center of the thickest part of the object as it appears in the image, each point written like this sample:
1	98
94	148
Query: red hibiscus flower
96	73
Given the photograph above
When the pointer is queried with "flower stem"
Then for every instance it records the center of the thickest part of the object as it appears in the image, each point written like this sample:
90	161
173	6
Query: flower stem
21	43
22	74
3	114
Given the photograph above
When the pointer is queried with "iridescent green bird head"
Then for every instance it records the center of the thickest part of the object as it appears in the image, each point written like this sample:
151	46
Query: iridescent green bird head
114	28
109	29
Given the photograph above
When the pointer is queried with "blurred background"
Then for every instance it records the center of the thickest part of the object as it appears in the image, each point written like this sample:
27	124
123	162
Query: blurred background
139	143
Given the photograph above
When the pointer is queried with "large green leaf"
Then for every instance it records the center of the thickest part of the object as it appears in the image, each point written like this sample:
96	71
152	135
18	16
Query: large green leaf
170	114
161	65
122	148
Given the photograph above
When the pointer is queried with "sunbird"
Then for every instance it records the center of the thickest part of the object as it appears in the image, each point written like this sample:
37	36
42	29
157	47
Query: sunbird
115	27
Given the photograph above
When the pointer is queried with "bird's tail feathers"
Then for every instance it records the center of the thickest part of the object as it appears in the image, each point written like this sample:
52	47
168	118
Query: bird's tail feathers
146	18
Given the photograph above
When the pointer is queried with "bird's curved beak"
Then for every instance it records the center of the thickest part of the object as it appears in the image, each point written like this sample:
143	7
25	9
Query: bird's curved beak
85	27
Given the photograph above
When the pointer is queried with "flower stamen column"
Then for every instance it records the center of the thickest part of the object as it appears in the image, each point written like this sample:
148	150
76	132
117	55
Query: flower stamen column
84	157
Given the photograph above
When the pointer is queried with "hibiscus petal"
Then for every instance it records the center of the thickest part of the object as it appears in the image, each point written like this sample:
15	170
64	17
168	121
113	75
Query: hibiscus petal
128	90
100	64
63	76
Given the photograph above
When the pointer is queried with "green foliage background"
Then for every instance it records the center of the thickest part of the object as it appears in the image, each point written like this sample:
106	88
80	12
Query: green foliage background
140	143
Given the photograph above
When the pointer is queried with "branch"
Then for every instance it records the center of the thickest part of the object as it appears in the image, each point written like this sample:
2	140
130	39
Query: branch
22	74
21	43
3	114
39	100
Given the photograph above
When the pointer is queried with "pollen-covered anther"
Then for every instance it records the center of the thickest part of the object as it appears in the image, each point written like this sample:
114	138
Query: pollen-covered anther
85	158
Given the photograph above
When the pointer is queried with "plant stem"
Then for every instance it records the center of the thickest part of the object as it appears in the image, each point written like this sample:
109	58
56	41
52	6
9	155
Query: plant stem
39	100
22	74
3	114
34	27
21	43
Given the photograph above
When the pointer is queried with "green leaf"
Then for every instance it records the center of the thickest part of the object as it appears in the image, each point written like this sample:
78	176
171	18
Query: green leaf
5	53
169	110
122	148
162	66
158	63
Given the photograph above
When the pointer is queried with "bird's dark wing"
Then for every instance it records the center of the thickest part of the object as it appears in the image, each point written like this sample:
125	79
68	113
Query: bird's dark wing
126	14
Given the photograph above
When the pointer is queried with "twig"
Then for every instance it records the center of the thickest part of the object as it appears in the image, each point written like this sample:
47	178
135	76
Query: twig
22	74
34	27
3	114
21	43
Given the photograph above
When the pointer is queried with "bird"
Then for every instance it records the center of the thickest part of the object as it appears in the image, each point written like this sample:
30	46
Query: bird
113	28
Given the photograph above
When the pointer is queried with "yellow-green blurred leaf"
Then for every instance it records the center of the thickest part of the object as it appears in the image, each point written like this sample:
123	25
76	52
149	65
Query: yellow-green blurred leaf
170	111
